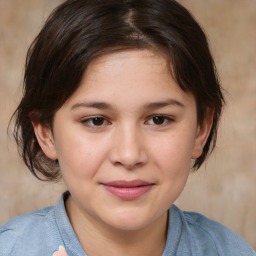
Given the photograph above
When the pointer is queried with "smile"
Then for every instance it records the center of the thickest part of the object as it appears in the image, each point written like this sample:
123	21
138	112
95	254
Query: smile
128	190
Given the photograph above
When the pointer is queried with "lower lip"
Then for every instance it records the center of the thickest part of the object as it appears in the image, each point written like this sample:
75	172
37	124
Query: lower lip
130	193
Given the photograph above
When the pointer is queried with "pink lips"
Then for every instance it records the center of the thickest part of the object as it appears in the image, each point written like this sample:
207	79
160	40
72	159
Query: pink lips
128	190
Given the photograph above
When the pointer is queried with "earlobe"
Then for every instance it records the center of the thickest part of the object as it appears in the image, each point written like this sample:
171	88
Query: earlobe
45	139
202	134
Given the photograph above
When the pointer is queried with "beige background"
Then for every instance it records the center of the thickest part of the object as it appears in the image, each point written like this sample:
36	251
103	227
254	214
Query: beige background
224	189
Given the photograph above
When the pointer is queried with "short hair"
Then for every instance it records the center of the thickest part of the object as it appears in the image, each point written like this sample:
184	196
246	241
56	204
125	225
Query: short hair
78	31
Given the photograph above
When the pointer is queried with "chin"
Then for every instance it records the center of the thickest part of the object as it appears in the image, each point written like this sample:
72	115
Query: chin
129	225
130	219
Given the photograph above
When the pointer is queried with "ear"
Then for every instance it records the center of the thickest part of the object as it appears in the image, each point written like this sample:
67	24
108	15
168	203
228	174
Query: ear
202	134
45	139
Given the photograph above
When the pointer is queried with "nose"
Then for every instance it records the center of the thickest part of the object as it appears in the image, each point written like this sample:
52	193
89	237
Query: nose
128	148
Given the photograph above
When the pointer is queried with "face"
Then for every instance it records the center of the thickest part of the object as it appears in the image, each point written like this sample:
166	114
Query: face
125	139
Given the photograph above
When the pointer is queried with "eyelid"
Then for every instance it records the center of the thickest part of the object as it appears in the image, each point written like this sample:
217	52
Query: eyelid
168	119
85	121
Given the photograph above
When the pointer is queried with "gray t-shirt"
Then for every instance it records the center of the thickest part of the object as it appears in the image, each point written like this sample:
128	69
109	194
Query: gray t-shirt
40	233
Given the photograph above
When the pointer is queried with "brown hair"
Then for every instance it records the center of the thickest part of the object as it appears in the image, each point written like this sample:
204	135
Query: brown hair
78	31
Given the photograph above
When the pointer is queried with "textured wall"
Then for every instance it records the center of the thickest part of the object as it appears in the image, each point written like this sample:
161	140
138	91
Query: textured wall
224	189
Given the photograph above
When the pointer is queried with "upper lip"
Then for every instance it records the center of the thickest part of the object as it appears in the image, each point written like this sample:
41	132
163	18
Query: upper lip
127	184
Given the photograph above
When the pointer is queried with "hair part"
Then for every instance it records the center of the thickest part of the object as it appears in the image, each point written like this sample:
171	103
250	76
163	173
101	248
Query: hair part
80	30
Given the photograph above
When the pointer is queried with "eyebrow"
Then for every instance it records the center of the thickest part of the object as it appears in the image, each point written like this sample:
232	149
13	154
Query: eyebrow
161	104
149	106
98	105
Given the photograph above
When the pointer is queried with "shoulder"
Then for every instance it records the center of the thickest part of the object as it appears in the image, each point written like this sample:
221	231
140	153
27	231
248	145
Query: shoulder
24	230
21	223
225	241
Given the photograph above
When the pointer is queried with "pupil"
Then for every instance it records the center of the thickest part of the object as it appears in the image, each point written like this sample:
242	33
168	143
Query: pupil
98	121
158	119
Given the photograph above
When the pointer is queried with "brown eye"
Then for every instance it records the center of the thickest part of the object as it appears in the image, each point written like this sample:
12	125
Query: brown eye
159	120
96	121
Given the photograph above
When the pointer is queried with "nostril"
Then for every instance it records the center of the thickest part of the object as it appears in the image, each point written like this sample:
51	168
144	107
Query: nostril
128	166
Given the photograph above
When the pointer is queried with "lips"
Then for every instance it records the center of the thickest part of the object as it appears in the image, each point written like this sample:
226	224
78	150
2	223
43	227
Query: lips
128	190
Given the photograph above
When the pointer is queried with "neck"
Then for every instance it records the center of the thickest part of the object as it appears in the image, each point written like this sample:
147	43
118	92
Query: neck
97	238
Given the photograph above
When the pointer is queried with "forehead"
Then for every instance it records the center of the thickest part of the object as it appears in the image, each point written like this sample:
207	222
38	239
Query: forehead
133	55
138	75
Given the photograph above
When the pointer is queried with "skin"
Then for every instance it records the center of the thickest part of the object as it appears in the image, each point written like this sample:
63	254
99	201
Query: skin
60	252
128	144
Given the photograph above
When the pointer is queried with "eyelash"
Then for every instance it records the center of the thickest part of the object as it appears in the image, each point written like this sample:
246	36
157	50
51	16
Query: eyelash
167	119
88	121
93	118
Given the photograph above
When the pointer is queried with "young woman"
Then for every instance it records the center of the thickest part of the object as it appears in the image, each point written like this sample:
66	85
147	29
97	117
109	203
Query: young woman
120	99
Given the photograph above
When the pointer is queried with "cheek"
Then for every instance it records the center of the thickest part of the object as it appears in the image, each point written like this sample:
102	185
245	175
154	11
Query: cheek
80	156
176	151
173	165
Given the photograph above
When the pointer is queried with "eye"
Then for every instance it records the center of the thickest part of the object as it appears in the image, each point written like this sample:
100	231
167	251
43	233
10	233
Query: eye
159	120
96	121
